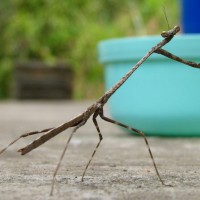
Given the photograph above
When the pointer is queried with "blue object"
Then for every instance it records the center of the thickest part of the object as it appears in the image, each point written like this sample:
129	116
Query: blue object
162	97
190	16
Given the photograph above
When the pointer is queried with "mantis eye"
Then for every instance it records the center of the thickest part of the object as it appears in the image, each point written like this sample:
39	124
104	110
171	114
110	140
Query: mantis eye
171	32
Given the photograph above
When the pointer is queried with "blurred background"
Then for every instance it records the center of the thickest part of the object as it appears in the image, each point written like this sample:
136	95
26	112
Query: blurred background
63	35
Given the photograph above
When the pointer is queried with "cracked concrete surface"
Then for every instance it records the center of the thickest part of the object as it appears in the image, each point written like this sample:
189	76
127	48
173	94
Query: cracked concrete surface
121	169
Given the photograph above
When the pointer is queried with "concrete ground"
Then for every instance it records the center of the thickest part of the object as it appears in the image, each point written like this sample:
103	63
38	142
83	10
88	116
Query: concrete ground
121	169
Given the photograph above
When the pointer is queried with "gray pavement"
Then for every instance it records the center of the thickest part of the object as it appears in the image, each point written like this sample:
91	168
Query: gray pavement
121	169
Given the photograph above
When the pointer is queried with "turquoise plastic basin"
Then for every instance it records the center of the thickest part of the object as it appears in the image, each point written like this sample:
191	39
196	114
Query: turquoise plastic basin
162	97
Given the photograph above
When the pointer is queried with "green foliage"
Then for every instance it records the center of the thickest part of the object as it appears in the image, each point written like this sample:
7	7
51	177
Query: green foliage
50	30
5	78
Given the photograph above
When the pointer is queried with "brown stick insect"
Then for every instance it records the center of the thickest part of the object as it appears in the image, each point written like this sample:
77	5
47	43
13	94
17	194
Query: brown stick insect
96	110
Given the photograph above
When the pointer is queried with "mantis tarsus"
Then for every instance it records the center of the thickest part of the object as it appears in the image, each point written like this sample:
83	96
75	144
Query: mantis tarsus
96	110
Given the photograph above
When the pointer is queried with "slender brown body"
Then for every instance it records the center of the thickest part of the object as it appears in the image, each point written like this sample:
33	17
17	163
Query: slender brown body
96	109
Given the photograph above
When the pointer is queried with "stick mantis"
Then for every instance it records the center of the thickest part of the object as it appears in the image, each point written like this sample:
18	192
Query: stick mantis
96	109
